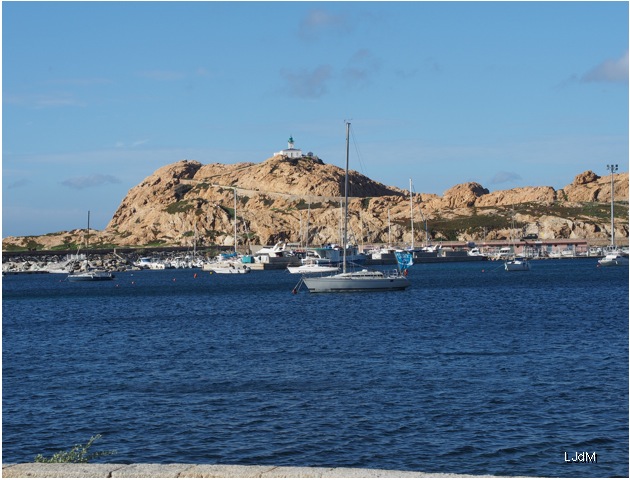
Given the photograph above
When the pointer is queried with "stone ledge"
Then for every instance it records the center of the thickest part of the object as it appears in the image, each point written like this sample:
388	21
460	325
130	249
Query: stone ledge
183	470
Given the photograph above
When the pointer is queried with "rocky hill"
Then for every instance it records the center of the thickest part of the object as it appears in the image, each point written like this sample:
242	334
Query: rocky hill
298	200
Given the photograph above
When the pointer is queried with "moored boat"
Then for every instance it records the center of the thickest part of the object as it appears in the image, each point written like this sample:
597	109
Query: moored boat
234	268
360	281
613	259
312	267
95	276
517	264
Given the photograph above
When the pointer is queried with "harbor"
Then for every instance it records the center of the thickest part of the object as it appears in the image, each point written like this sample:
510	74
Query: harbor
283	255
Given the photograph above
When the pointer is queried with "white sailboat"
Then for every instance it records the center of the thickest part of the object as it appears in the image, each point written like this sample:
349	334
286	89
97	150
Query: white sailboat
515	263
363	280
234	266
614	256
90	275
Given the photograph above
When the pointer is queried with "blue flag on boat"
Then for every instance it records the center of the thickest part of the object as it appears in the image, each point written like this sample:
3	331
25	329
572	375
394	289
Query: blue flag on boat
405	260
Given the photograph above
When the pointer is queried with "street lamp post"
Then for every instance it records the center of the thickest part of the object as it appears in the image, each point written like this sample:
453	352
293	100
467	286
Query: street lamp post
612	168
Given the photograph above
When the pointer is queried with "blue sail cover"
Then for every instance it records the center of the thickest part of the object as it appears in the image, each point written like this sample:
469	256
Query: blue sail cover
405	260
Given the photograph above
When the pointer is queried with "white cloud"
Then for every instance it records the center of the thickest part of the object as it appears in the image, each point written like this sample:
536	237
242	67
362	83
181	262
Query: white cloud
44	100
307	84
89	181
321	22
19	183
162	75
136	143
505	177
361	66
611	70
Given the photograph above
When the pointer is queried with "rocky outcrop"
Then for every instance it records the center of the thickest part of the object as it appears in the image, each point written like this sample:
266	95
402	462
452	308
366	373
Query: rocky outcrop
544	195
463	195
589	187
298	200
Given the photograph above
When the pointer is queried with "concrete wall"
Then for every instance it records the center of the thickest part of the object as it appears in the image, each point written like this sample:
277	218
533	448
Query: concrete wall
181	470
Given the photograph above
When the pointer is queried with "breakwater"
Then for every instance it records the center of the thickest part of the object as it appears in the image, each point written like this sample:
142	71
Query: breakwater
182	470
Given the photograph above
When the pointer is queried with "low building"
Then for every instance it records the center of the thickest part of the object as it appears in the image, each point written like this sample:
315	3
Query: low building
291	151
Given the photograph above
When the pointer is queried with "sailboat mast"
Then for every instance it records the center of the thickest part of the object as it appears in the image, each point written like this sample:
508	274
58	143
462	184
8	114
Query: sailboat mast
87	241
389	229
308	225
411	207
345	228
234	219
613	169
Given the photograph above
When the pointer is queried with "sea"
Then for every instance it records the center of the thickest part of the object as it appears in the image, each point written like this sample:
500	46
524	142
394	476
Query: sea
472	370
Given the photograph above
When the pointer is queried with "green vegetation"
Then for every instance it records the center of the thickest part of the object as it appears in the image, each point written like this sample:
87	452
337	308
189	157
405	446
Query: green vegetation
267	201
304	205
156	243
179	207
583	211
228	210
12	247
104	246
32	244
200	187
65	246
77	454
181	190
450	228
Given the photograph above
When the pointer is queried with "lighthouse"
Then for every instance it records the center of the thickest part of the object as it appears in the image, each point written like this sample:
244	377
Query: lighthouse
291	151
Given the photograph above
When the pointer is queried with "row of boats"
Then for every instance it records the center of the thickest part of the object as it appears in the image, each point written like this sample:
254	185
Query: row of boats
311	262
346	280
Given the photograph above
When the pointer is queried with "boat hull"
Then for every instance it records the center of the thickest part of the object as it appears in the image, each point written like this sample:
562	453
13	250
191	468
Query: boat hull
517	266
350	283
231	270
90	277
613	261
306	269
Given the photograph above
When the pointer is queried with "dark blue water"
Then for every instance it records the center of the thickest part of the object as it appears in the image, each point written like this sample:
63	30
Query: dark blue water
468	371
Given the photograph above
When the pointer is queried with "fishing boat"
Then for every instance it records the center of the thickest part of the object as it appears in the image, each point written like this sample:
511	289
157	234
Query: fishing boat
357	281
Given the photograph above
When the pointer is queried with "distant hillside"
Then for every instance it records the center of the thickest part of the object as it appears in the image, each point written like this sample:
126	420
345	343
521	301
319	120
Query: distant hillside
298	200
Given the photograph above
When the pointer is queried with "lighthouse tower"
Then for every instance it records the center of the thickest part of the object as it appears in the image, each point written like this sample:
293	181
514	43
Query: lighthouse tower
291	151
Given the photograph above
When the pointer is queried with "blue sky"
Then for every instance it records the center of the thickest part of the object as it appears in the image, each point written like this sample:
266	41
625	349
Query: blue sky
97	96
